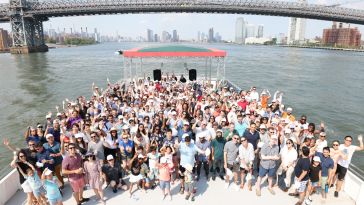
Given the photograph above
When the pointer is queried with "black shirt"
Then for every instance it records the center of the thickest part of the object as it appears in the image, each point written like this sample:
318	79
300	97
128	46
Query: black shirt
31	155
303	164
23	168
315	173
135	168
112	173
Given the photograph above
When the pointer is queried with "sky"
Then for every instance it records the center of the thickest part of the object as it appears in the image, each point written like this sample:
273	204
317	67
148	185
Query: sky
186	24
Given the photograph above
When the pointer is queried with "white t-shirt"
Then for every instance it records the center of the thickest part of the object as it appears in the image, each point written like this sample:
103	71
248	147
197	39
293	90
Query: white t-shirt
246	154
288	156
153	158
321	145
349	151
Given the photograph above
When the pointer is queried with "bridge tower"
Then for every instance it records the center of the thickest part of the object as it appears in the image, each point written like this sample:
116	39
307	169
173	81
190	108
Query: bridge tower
27	31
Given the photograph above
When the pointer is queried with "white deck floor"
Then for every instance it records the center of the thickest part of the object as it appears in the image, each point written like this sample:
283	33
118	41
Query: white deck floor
212	192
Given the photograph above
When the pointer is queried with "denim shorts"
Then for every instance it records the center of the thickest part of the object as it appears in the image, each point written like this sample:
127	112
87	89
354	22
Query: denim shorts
54	201
38	192
263	172
165	184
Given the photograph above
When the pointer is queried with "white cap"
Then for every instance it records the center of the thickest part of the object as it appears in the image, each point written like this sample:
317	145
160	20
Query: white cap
116	98
140	156
287	131
316	159
173	113
322	134
113	129
48	116
59	114
49	135
186	123
289	109
78	135
109	157
163	160
125	127
48	172
262	126
120	117
218	130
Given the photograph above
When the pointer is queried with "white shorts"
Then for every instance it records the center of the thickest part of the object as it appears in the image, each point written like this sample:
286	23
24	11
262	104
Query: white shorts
26	187
134	179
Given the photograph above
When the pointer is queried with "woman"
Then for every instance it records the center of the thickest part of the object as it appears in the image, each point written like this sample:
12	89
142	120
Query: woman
111	145
289	156
93	175
135	166
20	163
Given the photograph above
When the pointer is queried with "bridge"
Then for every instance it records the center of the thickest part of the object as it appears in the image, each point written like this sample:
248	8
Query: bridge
27	16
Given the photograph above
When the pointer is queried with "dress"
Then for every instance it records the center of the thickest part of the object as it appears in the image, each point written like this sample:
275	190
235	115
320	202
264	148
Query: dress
92	171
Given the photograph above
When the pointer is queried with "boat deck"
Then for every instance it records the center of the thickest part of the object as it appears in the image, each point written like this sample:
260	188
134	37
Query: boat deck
212	192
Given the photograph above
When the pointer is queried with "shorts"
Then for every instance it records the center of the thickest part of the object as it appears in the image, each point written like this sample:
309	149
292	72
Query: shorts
26	187
314	184
323	182
165	185
341	172
54	201
300	186
181	170
234	167
153	174
271	172
135	178
77	184
245	171
39	192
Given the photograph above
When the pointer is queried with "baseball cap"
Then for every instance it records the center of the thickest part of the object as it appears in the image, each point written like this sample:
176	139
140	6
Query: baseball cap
49	135
317	159
323	134
109	157
140	156
48	172
262	126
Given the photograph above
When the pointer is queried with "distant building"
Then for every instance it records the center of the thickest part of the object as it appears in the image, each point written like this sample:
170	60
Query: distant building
240	30
254	40
250	30
5	41
296	29
175	36
211	35
150	37
281	39
156	38
218	37
96	36
260	31
340	36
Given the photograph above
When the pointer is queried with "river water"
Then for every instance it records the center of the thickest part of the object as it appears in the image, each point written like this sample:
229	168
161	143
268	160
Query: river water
325	85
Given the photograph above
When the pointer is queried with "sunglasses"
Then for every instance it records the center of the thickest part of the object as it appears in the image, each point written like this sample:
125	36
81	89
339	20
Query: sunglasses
335	145
71	147
288	143
243	140
21	156
125	138
271	132
93	136
31	145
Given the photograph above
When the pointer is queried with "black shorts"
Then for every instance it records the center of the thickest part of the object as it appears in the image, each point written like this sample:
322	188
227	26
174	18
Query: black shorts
341	172
233	167
181	170
246	171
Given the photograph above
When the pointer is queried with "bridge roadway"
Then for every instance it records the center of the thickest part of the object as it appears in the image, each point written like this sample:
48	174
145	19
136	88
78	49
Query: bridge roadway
60	8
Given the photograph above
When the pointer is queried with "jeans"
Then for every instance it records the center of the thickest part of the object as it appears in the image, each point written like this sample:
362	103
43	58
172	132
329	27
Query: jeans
205	167
218	166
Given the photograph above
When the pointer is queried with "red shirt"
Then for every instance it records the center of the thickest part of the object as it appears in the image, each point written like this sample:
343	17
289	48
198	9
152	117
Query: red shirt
72	163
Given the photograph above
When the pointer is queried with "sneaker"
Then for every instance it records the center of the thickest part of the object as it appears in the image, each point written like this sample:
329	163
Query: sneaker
226	186
258	193
336	194
193	198
271	191
307	202
164	196
187	197
207	178
213	178
222	177
103	202
170	197
309	198
85	200
182	190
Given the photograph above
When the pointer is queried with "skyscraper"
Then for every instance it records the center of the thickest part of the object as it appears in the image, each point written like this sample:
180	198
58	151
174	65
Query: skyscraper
296	29
175	36
150	35
250	30
240	30
260	31
198	36
211	35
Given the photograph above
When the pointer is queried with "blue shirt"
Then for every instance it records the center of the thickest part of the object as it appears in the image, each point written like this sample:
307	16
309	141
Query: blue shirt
130	143
56	134
252	138
51	187
55	149
326	164
241	128
45	154
187	154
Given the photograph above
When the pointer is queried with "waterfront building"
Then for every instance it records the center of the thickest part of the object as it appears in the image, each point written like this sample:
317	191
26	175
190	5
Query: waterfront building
156	38
296	29
341	37
240	30
211	35
5	42
254	40
175	37
250	30
260	31
150	36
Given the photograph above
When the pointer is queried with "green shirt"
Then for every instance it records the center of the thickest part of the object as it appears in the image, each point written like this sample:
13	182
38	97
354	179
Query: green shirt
218	146
227	132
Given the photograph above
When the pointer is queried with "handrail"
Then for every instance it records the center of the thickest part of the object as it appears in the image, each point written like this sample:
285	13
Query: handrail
357	171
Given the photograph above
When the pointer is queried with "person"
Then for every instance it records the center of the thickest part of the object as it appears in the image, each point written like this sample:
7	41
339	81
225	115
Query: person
189	183
231	164
269	157
314	178
35	184
112	174
44	159
72	166
187	156
203	160
96	146
153	157
126	146
165	168
288	156
54	148
301	175
246	157
135	166
343	164
93	175
327	165
51	185
217	152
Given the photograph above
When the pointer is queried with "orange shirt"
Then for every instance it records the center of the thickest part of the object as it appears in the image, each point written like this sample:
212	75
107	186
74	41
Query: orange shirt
164	171
264	100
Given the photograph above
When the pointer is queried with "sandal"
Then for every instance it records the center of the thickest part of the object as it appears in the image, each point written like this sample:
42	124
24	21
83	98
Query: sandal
182	190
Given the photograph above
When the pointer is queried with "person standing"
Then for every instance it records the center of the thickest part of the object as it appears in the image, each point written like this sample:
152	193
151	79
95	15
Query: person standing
217	152
327	164
93	174
54	148
246	156
289	156
343	164
301	175
231	162
72	166
269	155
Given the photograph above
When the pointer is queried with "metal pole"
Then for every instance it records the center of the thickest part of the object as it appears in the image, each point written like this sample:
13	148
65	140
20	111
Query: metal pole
210	67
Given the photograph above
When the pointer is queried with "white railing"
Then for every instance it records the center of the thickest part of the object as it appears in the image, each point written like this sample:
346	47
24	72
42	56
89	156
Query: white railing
8	186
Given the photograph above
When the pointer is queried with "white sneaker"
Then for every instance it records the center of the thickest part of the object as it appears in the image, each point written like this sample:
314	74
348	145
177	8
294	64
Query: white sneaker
226	186
307	202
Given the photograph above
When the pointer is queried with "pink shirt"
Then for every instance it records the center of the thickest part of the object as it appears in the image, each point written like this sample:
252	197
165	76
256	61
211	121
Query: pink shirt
72	163
164	171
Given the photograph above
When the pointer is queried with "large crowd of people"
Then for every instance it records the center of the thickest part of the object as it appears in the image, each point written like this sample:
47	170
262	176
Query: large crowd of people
144	134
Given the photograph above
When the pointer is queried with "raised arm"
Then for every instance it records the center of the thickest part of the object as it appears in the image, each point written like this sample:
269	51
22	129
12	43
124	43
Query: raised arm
361	146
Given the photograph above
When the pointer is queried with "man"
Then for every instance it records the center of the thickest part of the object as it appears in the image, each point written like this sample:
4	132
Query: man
96	146
343	164
187	151
246	156
217	146
112	174
202	144
44	159
269	158
240	126
231	150
301	175
252	135
228	135
55	131
55	152
327	165
263	135
72	166
30	152
201	131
